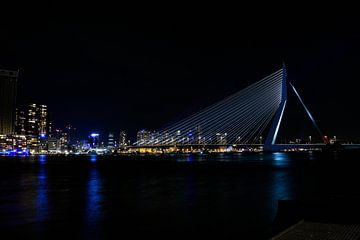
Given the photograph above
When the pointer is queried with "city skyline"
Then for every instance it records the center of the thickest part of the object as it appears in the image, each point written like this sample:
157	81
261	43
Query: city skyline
110	82
34	120
179	122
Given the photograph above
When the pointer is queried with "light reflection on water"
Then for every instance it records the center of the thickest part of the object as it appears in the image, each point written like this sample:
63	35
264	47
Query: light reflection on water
94	197
237	188
279	156
277	159
280	188
93	158
42	200
280	159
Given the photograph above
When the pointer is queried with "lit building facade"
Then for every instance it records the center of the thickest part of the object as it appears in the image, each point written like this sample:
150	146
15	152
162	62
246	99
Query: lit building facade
58	141
54	145
221	138
94	140
199	137
13	142
143	136
43	120
122	139
37	120
64	139
8	81
111	141
20	122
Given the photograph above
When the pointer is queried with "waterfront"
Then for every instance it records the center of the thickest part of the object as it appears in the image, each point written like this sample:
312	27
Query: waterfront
223	196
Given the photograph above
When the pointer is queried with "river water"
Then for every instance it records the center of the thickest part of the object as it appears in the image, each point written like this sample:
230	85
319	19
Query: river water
175	197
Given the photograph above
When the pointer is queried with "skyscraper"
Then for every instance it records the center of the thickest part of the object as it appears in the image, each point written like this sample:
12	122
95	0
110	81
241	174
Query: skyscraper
43	120
111	141
37	120
37	127
143	136
122	139
8	81
20	122
94	140
221	138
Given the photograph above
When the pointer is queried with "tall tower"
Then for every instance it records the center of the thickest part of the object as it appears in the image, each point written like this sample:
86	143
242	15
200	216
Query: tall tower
37	119
43	120
271	137
20	121
111	141
8	81
122	139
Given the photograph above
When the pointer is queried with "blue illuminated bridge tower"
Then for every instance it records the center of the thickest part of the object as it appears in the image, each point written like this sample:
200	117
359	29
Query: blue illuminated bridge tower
270	140
240	119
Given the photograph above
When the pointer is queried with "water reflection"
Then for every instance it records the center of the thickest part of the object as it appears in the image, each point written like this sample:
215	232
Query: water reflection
42	159
93	158
281	185
311	155
146	197
279	156
94	197
190	157
280	159
42	199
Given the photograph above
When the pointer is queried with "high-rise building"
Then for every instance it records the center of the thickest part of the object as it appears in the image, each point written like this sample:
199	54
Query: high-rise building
58	141
50	129
64	141
143	136
94	140
32	127
122	139
111	141
221	138
43	120
20	122
37	120
199	137
8	81
71	133
37	127
53	144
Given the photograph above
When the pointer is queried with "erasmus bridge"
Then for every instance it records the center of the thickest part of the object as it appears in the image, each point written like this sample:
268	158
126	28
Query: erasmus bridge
241	119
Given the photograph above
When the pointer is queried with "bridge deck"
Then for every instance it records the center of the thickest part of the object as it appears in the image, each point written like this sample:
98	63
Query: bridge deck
280	146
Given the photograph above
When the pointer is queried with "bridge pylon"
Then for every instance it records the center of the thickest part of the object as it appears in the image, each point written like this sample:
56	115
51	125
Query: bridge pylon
269	144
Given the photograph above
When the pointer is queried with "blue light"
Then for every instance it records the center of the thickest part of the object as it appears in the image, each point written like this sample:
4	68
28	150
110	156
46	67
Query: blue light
94	198
10	152
190	157
42	200
94	135
278	124
279	156
23	152
93	158
42	135
15	152
42	158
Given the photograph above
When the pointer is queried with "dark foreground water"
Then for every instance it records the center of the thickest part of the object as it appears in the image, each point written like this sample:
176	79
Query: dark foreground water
223	197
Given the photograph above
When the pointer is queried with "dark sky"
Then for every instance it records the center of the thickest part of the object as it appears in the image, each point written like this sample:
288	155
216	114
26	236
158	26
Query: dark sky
144	72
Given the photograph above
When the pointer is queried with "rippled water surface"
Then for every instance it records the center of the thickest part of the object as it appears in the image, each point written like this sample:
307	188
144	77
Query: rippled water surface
175	197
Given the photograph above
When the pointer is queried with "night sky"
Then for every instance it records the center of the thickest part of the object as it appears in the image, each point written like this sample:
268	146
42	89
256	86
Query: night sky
144	73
